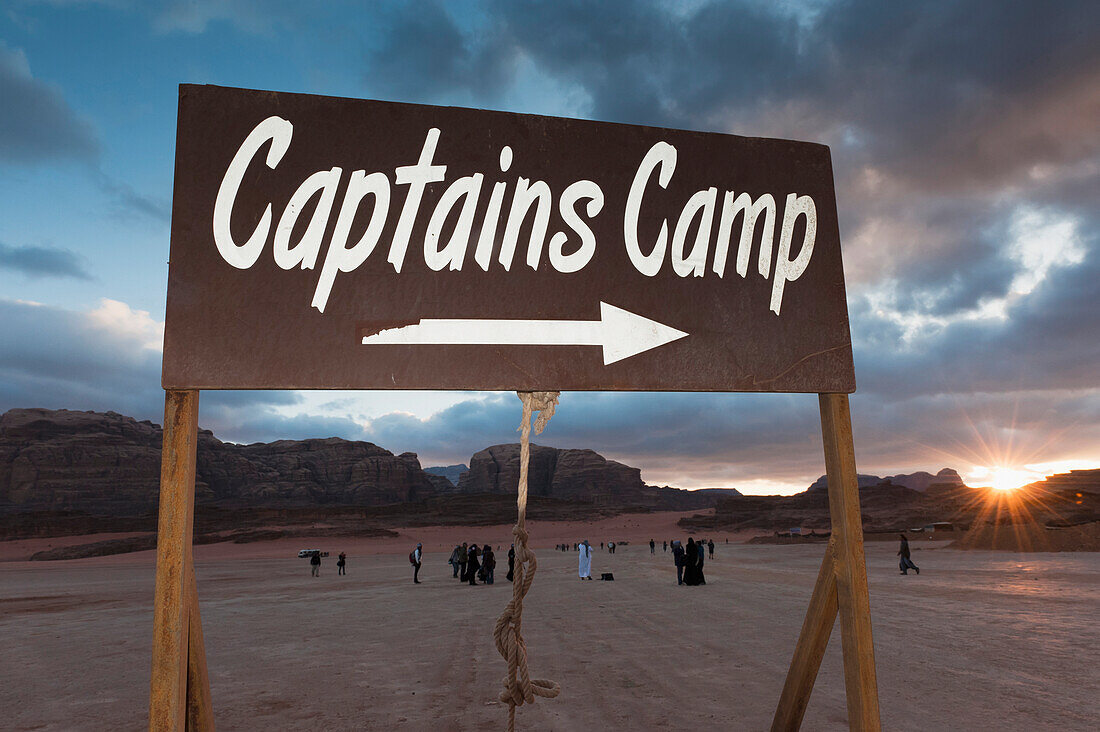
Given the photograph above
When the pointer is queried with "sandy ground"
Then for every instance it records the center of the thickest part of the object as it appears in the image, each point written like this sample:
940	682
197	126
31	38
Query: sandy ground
979	640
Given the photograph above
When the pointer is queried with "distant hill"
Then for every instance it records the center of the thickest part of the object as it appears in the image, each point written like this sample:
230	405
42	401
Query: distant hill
888	505
719	492
918	481
451	472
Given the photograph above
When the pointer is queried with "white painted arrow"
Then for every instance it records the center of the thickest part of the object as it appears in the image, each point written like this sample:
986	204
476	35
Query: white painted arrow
621	333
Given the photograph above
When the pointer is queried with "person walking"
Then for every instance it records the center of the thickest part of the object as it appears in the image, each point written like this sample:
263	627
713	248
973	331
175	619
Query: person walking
415	558
652	547
906	563
511	562
666	547
341	562
463	558
678	558
453	561
472	565
710	548
489	561
315	564
584	560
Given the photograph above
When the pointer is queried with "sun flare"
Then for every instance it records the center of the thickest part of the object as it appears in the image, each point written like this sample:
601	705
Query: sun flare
1009	479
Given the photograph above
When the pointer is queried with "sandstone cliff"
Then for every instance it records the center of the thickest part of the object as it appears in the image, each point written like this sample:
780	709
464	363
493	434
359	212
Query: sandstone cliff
109	464
579	475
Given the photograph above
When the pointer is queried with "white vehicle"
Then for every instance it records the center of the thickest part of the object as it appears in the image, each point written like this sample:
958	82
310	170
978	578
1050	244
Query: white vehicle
310	552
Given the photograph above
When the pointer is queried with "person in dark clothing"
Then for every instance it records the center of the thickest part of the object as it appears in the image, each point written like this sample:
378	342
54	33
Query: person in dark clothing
666	546
652	547
512	562
489	562
315	564
463	557
678	558
341	562
906	563
693	564
472	565
710	547
417	555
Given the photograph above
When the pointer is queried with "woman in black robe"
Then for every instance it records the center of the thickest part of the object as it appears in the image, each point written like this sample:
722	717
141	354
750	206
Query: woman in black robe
512	562
472	565
691	564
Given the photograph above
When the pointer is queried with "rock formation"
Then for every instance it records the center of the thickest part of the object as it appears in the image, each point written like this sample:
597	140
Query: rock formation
577	475
109	464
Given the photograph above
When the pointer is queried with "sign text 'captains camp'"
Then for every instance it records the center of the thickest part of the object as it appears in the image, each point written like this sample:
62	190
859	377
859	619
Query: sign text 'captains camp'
569	250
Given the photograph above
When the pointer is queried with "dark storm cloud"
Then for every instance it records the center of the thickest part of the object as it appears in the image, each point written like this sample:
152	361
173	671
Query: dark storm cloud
42	261
36	123
1050	339
944	94
942	115
424	56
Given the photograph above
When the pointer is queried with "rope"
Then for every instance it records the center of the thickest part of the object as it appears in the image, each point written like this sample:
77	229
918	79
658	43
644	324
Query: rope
519	687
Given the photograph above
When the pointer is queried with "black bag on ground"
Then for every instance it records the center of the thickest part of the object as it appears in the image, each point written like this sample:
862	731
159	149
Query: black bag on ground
607	577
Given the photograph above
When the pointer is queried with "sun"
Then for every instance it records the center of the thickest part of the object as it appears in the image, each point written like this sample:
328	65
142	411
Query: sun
1009	479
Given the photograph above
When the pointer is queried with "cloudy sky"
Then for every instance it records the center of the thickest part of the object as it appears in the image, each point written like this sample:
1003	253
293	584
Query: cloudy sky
965	138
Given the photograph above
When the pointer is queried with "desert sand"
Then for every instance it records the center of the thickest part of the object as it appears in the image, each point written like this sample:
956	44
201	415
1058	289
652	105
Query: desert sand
979	640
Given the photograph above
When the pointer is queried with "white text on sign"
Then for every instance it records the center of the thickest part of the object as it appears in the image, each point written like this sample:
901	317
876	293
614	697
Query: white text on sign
579	203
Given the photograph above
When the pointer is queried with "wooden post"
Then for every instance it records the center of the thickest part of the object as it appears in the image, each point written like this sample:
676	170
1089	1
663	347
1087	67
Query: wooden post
851	569
200	710
168	683
812	642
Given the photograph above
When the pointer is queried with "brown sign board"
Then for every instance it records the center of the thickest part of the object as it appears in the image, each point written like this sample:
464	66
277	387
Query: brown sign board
327	243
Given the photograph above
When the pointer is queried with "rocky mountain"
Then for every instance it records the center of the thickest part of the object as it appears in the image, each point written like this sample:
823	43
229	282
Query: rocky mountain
74	472
578	475
109	464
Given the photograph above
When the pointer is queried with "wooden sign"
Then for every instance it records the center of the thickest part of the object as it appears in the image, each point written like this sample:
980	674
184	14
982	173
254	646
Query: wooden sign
325	243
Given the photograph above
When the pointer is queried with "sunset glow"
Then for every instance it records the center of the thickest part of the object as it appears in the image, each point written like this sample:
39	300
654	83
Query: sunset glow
1008	479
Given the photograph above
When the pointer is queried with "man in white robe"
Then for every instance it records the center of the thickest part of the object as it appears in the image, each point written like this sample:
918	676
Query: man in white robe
584	560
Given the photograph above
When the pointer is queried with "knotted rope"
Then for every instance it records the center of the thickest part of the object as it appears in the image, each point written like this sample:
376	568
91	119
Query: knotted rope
519	687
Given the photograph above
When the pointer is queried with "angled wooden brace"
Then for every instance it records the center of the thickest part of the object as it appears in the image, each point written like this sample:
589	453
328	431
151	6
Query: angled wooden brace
841	589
